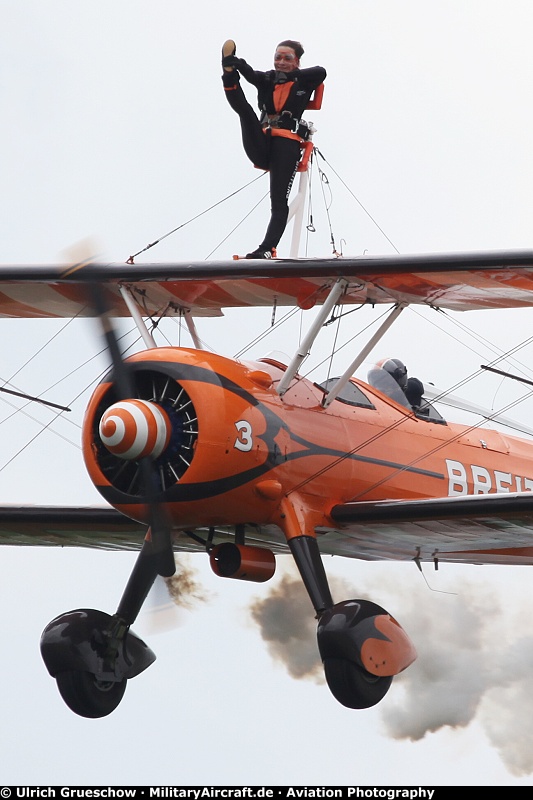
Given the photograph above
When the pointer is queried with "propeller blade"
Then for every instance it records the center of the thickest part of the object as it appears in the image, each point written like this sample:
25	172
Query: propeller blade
122	375
160	613
160	528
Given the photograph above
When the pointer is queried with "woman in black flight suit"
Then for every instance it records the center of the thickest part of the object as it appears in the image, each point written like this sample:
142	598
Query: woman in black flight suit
273	142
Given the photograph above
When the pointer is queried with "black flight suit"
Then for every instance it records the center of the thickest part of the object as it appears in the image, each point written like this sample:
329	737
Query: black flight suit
273	144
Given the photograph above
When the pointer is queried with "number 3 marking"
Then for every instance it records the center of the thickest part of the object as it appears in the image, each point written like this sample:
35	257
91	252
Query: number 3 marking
244	439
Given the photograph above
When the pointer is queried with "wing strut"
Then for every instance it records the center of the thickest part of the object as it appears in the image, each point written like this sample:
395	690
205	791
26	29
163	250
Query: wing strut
358	360
189	321
305	347
133	308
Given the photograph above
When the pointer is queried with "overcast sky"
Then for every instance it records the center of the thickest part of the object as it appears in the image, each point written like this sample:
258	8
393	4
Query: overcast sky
116	127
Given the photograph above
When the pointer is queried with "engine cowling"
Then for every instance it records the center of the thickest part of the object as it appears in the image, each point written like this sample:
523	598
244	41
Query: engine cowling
222	435
160	423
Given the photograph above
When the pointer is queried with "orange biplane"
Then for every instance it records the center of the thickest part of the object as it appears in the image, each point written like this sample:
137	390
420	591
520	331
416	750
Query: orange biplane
195	451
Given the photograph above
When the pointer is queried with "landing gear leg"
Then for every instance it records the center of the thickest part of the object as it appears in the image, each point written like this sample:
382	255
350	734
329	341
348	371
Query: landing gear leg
141	580
309	562
361	645
92	654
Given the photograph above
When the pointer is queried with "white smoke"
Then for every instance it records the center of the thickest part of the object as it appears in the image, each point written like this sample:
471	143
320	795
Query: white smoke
455	666
474	663
506	711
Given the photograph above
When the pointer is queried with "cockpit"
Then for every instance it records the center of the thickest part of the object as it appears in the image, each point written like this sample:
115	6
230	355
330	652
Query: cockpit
389	377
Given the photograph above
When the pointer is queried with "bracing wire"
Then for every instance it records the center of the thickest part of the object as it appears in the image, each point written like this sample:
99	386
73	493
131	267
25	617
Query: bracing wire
6	381
403	419
22	409
485	342
192	219
267	331
324	182
47	426
369	215
237	226
334	346
349	341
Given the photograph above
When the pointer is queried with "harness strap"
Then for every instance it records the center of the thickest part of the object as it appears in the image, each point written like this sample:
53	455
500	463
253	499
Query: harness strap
287	122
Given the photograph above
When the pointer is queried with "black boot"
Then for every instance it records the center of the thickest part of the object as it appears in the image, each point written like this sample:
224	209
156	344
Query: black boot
261	252
229	48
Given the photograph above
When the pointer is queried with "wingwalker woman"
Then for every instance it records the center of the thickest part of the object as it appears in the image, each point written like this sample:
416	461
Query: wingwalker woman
273	141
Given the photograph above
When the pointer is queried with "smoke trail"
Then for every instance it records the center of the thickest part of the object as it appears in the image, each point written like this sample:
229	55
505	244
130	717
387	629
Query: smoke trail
183	587
168	597
506	711
474	663
455	665
286	621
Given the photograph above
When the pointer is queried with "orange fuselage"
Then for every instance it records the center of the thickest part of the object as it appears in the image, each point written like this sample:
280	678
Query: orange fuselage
260	458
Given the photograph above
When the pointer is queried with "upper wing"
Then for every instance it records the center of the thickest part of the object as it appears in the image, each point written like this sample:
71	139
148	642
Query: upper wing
480	529
457	281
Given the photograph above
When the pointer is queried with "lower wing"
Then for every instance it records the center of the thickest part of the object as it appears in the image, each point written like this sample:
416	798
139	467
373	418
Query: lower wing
477	529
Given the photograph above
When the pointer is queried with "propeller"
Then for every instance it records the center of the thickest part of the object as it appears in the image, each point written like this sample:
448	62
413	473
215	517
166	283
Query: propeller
129	422
92	654
160	614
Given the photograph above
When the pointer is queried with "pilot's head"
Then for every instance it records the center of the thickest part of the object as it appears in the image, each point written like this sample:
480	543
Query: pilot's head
414	391
397	369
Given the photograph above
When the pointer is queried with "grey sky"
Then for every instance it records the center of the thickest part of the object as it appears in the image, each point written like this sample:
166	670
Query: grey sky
115	127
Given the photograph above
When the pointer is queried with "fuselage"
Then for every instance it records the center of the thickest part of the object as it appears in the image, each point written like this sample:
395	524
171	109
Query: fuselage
238	448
